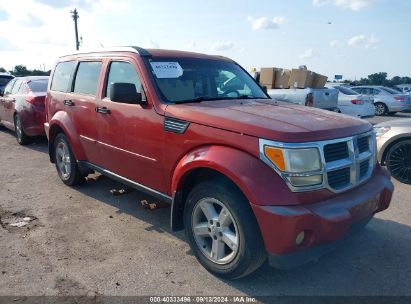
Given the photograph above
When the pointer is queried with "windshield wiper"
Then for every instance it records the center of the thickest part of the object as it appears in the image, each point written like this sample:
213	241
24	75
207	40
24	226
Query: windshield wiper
206	98
197	99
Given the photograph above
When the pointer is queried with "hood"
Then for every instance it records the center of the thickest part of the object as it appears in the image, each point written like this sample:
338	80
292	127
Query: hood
266	119
406	122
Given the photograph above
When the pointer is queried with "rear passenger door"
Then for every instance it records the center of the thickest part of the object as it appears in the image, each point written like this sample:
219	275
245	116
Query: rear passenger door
131	135
80	103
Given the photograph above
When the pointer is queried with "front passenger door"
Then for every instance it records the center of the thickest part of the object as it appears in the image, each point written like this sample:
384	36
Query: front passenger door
131	135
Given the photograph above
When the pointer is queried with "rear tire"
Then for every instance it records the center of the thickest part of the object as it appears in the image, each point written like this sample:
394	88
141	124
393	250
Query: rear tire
66	163
398	161
380	109
227	241
21	137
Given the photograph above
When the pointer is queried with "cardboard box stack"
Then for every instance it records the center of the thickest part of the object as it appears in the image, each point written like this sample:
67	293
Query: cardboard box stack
282	79
276	78
267	77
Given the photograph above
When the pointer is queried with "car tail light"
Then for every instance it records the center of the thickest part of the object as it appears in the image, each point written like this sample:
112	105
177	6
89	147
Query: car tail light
309	101
35	100
357	101
400	98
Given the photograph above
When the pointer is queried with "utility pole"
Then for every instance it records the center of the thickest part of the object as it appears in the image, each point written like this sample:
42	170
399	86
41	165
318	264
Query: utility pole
74	15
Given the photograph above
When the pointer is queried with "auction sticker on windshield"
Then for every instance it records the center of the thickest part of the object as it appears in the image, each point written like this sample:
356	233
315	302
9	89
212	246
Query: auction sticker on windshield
167	69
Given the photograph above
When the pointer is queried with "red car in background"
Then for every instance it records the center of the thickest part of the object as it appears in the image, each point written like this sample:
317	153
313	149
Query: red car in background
22	107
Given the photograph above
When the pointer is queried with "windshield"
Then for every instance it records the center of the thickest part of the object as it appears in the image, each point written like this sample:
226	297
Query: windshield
4	80
346	91
194	80
38	85
391	91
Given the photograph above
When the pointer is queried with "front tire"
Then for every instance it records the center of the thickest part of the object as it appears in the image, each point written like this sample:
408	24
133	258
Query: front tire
66	163
398	161
222	231
21	137
380	109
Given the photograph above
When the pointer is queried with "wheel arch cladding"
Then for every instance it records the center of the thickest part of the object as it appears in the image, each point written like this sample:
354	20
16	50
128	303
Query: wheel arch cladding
256	181
61	123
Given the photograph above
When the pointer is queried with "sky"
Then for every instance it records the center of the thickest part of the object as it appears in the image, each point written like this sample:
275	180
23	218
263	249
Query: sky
353	38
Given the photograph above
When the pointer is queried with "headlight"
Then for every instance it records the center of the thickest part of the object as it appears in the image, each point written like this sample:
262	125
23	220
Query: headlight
380	131
300	166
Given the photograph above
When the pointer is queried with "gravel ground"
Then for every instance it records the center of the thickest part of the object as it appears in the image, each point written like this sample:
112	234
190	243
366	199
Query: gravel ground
85	241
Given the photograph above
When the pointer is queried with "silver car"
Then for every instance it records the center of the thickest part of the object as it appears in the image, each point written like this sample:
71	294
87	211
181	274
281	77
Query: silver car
394	147
386	100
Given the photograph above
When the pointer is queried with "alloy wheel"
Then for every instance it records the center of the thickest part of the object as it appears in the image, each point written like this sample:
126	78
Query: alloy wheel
215	231
399	162
379	109
63	160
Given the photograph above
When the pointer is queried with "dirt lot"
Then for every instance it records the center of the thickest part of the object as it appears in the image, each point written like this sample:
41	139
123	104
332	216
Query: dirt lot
85	241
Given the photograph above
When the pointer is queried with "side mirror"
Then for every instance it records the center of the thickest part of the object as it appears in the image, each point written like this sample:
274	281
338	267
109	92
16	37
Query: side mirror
125	93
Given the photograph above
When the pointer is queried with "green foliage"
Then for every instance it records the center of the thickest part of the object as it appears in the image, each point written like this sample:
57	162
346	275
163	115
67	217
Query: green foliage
380	79
21	70
2	70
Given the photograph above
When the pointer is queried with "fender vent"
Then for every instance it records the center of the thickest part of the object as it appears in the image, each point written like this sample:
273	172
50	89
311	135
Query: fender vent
175	125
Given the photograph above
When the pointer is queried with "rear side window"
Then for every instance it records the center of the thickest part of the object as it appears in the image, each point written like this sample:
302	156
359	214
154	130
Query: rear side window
16	86
61	76
122	72
346	91
87	76
38	85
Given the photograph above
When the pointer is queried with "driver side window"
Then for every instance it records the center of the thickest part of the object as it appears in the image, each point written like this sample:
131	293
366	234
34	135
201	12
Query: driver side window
123	72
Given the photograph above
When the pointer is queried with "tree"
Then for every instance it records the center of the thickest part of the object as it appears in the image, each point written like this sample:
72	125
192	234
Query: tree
378	78
21	70
2	70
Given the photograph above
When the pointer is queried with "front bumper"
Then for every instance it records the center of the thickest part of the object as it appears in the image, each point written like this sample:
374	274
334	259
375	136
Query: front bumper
325	223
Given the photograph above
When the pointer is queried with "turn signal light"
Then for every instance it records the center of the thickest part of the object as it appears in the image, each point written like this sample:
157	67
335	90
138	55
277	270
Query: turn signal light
276	156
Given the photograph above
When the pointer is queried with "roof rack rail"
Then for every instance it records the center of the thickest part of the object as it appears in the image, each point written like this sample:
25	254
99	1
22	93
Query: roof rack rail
142	51
135	49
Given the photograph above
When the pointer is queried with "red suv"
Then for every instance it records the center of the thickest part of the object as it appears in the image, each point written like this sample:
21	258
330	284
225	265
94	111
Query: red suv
248	179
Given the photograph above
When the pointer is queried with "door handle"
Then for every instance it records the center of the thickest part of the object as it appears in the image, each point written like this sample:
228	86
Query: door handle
102	110
68	102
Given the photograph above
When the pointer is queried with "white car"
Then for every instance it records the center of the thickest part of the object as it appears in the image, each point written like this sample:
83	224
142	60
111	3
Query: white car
386	100
352	103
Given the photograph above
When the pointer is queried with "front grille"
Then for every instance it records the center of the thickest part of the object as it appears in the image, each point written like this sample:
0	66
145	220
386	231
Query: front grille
339	178
346	162
364	168
363	144
333	152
